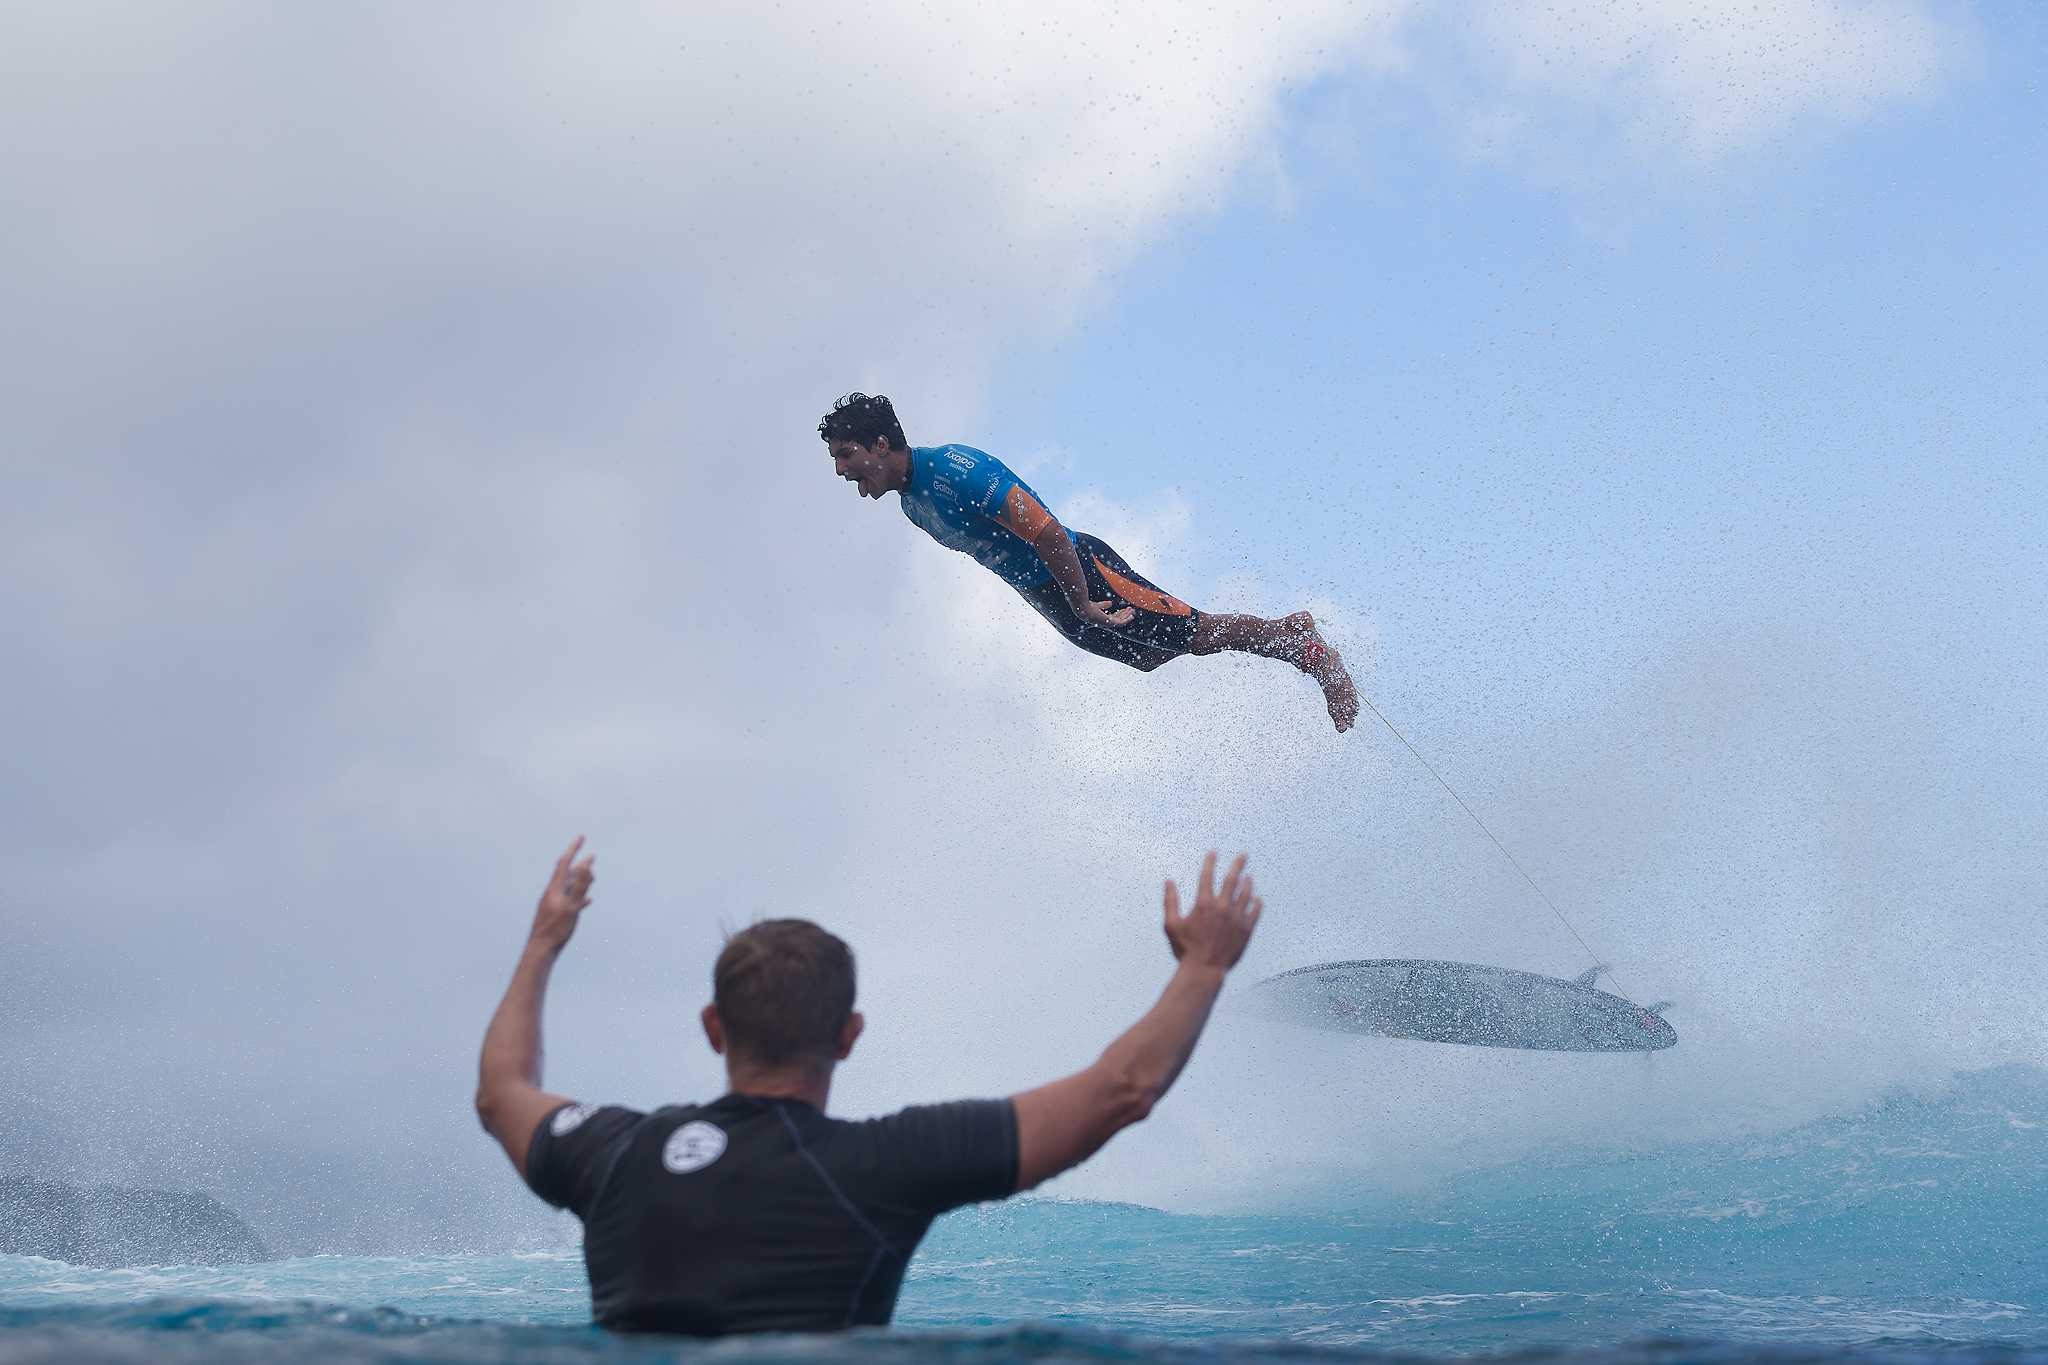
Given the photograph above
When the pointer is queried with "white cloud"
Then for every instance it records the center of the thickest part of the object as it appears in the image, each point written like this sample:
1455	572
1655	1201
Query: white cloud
410	464
1592	87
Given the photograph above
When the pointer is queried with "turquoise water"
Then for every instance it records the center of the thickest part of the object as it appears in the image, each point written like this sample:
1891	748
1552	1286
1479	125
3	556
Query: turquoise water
1918	1226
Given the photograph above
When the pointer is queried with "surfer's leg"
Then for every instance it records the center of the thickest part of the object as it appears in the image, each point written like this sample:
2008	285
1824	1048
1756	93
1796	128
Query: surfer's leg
1050	601
1149	659
1292	639
1163	628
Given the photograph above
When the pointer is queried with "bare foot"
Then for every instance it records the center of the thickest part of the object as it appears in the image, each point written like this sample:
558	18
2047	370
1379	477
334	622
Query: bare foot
1338	693
1323	663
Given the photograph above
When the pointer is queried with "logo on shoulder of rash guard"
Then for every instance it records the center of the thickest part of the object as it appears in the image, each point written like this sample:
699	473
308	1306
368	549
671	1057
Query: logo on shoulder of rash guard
570	1117
692	1147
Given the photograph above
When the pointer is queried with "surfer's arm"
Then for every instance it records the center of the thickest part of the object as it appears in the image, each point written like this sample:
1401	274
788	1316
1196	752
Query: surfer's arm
1023	515
509	1099
1063	1124
1056	548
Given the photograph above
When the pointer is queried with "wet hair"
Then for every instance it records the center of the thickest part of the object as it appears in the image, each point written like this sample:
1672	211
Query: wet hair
863	421
784	990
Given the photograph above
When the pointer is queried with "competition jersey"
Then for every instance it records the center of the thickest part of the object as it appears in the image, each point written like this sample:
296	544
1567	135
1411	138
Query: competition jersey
968	500
761	1215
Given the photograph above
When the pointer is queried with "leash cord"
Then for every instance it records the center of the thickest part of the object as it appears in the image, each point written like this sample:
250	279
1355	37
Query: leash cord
1503	850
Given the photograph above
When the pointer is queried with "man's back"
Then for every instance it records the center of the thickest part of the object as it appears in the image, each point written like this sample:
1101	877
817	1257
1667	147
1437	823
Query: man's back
752	1215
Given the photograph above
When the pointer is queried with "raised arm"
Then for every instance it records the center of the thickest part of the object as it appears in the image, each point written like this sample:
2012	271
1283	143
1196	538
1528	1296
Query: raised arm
1063	1124
509	1100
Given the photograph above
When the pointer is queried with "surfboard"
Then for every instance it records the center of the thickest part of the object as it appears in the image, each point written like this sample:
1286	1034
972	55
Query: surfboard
1460	1002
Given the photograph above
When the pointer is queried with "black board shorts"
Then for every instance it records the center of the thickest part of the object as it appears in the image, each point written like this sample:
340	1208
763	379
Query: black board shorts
1162	622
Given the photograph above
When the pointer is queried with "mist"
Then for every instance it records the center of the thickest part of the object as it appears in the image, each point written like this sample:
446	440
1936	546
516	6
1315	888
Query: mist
411	465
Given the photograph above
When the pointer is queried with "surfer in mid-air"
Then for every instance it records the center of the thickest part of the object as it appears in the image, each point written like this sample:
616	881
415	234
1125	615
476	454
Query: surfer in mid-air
971	502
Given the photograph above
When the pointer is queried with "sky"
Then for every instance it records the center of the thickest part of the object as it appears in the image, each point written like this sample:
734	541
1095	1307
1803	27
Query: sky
410	464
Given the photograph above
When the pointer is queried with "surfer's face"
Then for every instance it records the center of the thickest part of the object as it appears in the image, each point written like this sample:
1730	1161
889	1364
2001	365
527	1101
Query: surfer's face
866	467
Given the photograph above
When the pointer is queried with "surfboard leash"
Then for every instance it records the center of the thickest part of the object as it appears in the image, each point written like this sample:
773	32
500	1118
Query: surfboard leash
1503	850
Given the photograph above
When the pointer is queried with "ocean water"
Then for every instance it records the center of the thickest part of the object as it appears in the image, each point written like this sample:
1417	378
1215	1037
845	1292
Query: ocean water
1916	1229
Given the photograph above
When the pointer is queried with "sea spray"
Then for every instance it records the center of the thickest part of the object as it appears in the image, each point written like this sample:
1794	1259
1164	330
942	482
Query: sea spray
1920	1220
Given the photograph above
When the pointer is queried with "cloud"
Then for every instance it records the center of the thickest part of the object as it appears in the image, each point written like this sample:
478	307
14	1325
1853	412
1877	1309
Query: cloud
350	348
410	464
1590	89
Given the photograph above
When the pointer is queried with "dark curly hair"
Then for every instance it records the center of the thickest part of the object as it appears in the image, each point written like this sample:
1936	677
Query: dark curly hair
862	420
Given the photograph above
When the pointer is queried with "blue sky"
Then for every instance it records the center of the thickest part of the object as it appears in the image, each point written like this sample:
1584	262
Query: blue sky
1466	393
411	465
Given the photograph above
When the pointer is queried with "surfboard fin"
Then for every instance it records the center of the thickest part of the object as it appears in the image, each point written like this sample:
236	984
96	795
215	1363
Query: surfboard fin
1588	977
1662	1005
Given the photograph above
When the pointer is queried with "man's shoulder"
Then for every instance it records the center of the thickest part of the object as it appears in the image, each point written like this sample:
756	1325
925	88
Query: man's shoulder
580	1126
574	1129
571	1145
955	461
954	453
957	480
943	1155
565	1119
577	1132
932	1121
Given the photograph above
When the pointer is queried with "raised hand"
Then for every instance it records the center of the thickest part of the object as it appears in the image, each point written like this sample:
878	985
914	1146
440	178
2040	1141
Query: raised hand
561	905
1064	1123
509	1098
1215	932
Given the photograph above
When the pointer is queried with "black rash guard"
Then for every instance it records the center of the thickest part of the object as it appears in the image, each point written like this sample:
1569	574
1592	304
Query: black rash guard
761	1215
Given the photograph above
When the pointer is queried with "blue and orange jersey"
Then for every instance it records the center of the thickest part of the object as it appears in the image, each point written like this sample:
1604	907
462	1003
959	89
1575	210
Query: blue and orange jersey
968	500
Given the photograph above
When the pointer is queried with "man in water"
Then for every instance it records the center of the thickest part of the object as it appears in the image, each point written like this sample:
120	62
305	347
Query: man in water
970	501
756	1213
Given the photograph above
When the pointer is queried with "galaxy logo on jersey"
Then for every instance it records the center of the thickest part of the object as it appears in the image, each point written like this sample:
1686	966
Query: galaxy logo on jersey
692	1147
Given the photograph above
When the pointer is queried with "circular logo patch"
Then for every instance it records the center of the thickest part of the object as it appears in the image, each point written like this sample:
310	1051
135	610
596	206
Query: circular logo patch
570	1117
693	1146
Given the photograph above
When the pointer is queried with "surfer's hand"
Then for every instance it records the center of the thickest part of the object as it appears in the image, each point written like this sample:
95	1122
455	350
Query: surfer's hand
1098	613
562	903
1215	932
